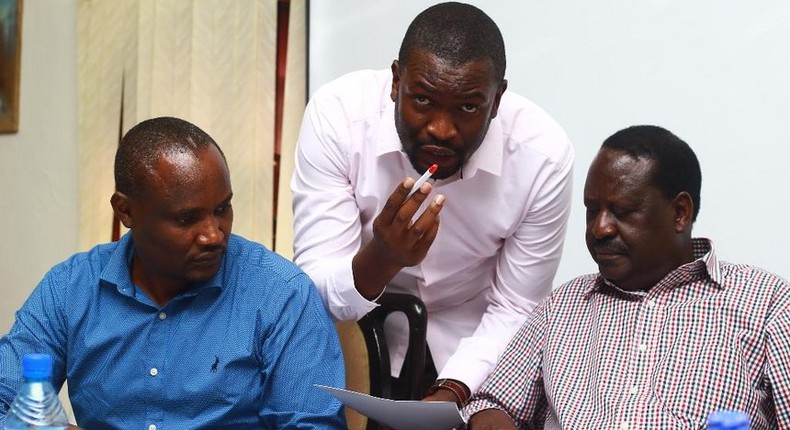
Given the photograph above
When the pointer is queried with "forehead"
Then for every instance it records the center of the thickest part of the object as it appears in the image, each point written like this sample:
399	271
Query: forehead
184	173
432	73
617	173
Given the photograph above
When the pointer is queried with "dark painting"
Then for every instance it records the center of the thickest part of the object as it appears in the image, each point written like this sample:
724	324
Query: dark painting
10	44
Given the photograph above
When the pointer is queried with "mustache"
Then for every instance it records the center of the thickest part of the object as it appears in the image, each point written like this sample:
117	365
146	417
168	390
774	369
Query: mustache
609	247
437	147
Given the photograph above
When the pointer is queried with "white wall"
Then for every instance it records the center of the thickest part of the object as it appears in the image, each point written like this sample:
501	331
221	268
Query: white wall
715	73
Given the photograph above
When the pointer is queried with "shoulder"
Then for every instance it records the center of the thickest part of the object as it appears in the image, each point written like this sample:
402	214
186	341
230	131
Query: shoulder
89	263
525	125
355	94
256	266
574	291
751	284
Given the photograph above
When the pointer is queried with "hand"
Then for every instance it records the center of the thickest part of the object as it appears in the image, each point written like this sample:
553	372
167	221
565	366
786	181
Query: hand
397	241
490	419
402	242
441	395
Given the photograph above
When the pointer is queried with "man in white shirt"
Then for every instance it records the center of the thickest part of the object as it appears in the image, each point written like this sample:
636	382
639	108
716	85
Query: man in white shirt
503	188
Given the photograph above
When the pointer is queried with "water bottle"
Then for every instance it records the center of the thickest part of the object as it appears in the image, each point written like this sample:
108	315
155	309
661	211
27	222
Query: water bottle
36	406
728	420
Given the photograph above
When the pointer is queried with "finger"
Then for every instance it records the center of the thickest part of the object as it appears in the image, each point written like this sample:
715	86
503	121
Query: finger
395	201
426	227
405	214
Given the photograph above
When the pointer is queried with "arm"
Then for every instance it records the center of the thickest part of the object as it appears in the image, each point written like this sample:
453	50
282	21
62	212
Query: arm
327	225
300	348
39	327
778	351
514	393
525	270
490	419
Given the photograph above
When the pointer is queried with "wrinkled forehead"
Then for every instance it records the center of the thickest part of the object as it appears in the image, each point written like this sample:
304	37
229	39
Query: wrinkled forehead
618	169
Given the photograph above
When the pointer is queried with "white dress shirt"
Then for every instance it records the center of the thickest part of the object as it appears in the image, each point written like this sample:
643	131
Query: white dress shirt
500	234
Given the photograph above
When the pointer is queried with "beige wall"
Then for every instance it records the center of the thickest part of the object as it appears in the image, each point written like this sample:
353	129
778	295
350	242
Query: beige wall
38	165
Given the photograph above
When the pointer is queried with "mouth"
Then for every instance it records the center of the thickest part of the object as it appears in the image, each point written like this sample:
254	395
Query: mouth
606	254
444	157
209	259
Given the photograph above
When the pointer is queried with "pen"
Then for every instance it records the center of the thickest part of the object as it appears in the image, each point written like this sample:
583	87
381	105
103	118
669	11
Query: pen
425	176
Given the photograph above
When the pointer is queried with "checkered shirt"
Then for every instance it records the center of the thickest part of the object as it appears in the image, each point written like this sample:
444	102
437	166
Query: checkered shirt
711	335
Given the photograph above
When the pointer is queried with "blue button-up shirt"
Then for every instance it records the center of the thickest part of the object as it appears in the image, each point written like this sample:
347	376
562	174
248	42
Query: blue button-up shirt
240	351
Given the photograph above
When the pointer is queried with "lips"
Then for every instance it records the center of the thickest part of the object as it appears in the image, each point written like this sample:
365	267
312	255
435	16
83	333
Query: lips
440	155
604	252
438	151
209	258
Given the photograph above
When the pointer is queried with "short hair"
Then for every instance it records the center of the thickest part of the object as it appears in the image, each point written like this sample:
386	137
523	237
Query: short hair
143	145
456	32
676	168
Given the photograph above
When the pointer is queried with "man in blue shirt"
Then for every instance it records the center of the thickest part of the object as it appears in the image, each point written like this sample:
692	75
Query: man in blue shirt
180	324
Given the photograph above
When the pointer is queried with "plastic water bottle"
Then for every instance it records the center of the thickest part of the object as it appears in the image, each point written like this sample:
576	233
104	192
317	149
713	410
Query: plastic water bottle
728	420
36	406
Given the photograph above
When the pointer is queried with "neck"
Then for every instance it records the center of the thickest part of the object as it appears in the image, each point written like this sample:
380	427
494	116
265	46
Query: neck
160	289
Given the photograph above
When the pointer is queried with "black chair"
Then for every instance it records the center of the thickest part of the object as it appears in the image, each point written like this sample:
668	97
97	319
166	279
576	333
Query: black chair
367	356
413	370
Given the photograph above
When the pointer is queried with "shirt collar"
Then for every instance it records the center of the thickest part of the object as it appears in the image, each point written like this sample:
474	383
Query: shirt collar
118	271
704	259
488	157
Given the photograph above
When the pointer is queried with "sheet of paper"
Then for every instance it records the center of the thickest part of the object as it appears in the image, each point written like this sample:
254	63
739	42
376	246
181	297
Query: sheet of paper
401	414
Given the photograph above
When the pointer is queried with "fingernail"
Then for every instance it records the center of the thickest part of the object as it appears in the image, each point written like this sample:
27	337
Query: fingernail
439	200
408	183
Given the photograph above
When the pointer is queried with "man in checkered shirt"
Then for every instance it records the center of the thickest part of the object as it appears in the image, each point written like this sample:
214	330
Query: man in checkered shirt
665	334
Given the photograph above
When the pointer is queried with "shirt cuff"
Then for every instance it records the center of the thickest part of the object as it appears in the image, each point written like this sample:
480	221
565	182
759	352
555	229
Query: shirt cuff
344	301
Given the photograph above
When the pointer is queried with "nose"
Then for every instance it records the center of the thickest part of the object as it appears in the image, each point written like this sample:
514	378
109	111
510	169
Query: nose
210	234
603	225
442	127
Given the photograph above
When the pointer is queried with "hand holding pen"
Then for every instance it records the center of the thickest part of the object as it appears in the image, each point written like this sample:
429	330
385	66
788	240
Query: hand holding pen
422	179
399	240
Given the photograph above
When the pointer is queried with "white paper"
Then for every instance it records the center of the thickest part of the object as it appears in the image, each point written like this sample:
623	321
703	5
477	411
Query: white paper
401	414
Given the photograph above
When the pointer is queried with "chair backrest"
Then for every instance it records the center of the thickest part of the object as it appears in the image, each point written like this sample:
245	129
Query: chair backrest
367	356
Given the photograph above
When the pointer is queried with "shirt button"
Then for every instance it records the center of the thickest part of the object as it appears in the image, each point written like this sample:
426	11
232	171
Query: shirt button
651	303
624	425
154	371
633	390
643	347
162	316
152	427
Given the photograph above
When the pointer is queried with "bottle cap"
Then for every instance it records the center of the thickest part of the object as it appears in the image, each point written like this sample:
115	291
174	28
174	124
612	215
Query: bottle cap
728	420
37	366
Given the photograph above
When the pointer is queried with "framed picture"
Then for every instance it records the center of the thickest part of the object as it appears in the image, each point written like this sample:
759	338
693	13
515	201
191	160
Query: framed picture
10	48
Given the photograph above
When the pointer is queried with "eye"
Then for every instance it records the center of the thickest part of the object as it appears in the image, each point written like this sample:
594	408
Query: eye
223	209
186	219
620	212
591	213
470	108
422	100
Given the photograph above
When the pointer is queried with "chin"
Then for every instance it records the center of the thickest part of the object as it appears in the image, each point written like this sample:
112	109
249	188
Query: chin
203	275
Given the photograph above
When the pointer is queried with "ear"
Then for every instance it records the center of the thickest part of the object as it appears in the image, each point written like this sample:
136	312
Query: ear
683	205
120	205
498	98
395	79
